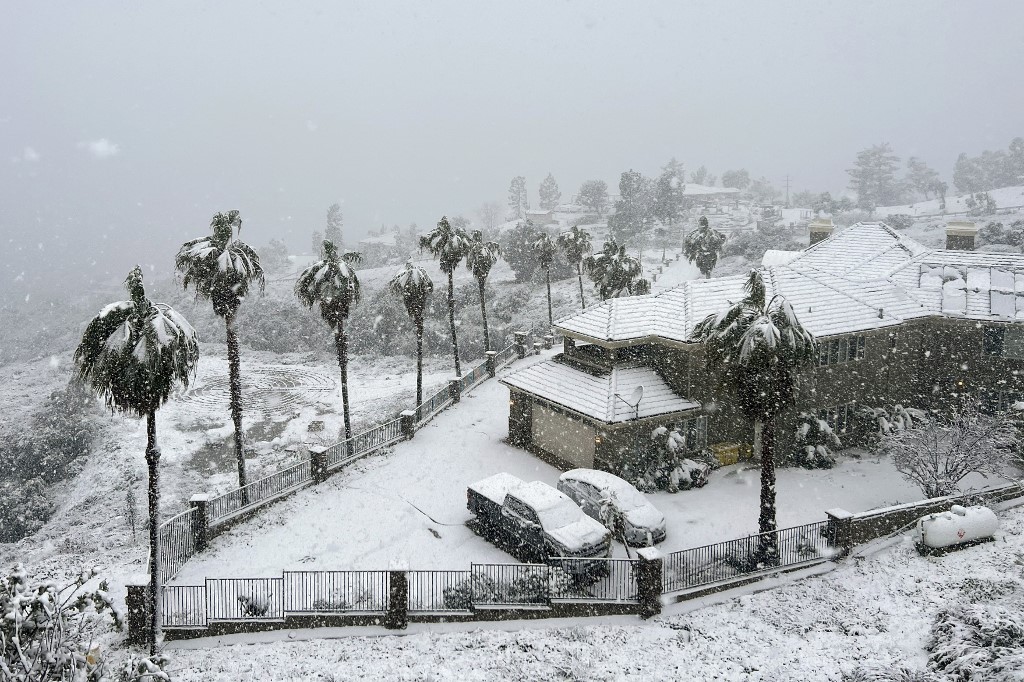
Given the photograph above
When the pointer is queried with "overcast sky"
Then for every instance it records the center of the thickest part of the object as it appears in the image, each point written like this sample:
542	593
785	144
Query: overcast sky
124	126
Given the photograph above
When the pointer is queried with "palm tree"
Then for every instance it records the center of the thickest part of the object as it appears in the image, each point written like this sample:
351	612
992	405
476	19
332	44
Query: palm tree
545	250
133	354
756	346
613	270
703	246
480	258
449	245
332	283
222	269
413	285
575	244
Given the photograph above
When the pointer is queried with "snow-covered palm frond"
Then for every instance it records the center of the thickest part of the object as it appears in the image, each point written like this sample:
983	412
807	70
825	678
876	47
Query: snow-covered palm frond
612	270
545	250
446	243
413	285
575	244
481	255
332	283
134	352
220	267
703	246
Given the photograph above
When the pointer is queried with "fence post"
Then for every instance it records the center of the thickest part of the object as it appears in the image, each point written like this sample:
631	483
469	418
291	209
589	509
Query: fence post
408	418
455	389
520	344
549	341
840	529
137	603
492	362
318	463
648	580
200	520
397	616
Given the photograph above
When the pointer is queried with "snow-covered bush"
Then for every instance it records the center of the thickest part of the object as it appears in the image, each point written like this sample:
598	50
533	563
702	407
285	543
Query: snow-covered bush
48	632
532	586
878	422
978	642
24	508
880	672
899	221
670	464
814	442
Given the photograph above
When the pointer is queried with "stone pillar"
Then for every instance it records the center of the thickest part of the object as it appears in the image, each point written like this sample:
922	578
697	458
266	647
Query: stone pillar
520	344
137	603
455	389
678	255
568	345
840	530
537	345
648	580
200	520
318	463
549	341
397	616
492	362
408	423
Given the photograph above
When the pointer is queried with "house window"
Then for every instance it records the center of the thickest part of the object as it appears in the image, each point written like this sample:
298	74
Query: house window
1004	342
839	417
837	351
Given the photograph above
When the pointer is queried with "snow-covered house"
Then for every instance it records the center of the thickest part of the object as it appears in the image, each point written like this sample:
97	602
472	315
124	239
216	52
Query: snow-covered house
895	321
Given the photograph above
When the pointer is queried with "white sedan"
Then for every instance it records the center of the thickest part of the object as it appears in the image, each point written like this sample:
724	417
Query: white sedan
592	490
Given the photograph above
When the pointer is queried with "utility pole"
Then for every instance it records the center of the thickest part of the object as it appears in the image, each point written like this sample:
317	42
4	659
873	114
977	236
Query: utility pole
787	190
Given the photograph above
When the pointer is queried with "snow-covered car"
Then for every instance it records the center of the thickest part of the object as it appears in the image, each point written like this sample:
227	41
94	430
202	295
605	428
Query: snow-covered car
591	489
536	522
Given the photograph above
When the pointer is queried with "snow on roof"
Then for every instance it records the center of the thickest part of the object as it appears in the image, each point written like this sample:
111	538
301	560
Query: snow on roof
777	257
497	486
864	277
593	395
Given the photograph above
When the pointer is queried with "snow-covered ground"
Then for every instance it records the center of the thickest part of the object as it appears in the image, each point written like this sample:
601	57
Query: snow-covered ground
1004	197
410	504
874	608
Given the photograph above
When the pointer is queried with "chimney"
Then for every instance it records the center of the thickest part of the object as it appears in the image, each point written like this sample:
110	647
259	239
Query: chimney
821	229
960	235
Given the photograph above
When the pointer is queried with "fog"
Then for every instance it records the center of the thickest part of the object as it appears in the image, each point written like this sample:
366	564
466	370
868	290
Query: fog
125	126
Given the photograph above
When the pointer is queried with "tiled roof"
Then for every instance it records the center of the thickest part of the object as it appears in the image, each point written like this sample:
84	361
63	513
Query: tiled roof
593	395
865	277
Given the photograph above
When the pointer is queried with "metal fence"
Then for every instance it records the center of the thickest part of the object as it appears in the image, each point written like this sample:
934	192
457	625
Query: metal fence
183	606
474	377
602	580
439	591
505	356
176	543
258	492
244	599
432	405
509	585
336	591
712	563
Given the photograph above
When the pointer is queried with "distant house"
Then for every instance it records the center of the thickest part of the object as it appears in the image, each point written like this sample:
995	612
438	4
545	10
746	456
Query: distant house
540	217
895	322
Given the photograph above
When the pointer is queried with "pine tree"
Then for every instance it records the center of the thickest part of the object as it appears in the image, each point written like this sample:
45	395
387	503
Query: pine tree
335	220
594	195
738	179
549	194
518	201
634	211
669	199
920	176
873	177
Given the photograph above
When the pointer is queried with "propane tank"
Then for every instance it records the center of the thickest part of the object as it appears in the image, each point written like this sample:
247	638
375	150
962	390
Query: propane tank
958	526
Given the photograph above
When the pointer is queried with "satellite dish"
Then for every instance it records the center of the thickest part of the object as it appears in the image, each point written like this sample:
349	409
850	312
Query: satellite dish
637	395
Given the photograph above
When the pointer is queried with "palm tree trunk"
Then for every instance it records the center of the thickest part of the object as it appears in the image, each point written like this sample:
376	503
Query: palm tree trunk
235	383
579	275
483	312
341	345
547	278
451	323
152	460
419	363
764	445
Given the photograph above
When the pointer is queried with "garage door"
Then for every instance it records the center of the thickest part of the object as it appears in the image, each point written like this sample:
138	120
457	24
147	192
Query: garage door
563	437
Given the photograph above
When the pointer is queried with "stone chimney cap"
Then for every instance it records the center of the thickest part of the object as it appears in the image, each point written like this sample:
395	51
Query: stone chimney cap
961	228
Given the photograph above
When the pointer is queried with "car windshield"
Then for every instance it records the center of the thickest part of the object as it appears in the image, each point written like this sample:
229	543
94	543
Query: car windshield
561	513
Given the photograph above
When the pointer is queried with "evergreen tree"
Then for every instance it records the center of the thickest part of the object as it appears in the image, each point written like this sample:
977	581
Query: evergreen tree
738	179
612	270
967	175
480	258
594	195
1016	161
920	176
873	177
222	269
518	201
549	194
332	284
414	287
669	200
545	250
699	176
757	346
335	221
449	245
318	244
634	211
575	244
703	246
134	354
